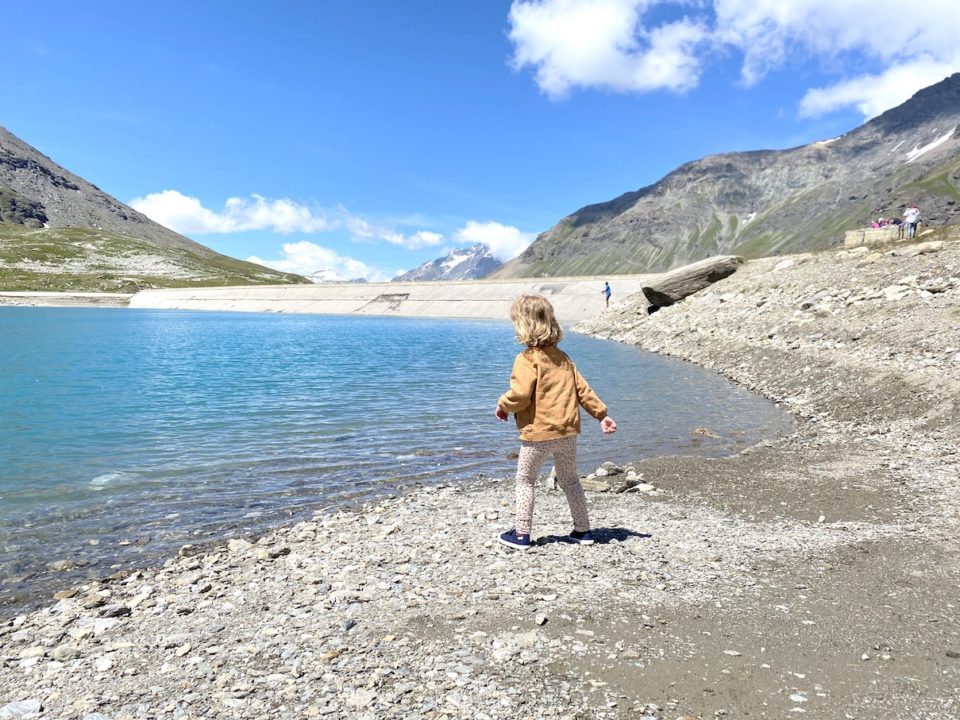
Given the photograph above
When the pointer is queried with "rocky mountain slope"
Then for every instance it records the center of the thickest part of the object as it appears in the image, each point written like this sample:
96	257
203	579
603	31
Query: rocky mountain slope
57	231
469	263
769	201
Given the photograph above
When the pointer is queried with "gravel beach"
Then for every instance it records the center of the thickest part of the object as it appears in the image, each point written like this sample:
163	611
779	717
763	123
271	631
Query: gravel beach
817	576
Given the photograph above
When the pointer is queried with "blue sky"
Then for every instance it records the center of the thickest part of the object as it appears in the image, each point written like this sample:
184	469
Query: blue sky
369	136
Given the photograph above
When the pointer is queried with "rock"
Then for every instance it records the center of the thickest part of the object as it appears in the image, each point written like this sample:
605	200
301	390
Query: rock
870	259
360	699
80	633
239	547
594	485
93	600
814	299
896	292
174	640
61	565
923	248
935	285
621	484
677	284
103	625
112	611
65	652
20	710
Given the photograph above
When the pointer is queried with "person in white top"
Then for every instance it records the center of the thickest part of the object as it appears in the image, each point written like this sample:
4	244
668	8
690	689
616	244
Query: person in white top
911	217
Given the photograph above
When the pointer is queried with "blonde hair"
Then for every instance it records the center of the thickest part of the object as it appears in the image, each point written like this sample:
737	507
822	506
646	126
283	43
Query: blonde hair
534	321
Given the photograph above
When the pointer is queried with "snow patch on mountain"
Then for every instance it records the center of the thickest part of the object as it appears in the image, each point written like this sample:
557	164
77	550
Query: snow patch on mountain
327	276
917	152
469	263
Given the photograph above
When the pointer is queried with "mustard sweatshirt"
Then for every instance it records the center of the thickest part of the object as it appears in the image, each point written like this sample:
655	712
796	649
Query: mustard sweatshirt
545	391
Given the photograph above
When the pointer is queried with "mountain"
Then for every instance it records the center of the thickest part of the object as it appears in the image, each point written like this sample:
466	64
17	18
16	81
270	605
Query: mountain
59	232
327	277
768	201
469	263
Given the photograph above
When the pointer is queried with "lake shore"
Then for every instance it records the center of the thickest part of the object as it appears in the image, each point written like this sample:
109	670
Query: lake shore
814	576
63	299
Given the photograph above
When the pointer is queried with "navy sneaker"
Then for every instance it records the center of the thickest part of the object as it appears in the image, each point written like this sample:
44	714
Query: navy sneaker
584	538
514	540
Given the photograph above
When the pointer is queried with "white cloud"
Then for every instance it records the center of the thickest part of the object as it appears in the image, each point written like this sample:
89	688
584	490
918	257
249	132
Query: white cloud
505	241
305	257
602	43
872	94
186	214
362	229
900	46
912	45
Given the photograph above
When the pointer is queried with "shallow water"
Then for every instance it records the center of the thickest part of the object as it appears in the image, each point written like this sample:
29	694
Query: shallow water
126	433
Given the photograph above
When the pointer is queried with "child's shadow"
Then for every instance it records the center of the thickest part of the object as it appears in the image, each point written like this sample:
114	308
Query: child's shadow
601	536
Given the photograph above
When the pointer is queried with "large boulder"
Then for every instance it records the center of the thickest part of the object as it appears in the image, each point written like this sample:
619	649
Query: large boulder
675	285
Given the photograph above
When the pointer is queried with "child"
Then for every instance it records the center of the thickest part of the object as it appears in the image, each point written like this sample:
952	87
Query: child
545	392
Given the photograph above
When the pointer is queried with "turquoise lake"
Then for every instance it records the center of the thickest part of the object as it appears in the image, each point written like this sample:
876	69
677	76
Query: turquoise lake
126	433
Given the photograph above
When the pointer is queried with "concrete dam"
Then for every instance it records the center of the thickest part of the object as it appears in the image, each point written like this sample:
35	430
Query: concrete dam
574	298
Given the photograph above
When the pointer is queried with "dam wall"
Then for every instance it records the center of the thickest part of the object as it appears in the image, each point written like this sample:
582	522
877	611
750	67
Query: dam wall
573	298
874	236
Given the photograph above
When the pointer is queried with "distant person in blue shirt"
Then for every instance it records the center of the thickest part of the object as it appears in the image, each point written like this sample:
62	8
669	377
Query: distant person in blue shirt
607	292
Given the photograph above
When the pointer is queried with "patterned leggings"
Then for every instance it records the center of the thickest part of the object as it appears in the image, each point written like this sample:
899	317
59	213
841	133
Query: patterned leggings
532	455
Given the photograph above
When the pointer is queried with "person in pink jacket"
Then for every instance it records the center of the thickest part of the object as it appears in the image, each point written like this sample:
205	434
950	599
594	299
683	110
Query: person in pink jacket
545	396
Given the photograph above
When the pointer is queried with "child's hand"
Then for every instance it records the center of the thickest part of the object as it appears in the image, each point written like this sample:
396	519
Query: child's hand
502	416
608	425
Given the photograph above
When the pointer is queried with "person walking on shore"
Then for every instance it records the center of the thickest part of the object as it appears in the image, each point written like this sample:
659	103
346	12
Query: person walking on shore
607	292
545	395
911	217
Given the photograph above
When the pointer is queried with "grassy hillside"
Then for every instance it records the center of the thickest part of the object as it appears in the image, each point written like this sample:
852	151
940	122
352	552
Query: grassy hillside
88	260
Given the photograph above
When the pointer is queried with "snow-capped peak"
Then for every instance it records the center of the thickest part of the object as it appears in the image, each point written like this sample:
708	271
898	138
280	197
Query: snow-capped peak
469	263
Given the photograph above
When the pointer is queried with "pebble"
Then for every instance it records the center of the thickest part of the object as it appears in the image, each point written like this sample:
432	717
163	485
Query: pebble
21	710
